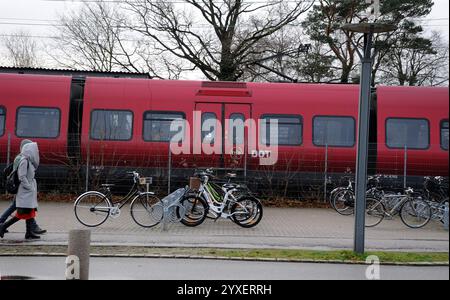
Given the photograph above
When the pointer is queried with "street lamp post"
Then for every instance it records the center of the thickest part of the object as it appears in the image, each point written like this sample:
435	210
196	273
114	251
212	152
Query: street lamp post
368	29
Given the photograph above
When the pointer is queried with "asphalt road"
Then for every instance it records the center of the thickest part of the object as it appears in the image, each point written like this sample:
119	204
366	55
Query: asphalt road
195	269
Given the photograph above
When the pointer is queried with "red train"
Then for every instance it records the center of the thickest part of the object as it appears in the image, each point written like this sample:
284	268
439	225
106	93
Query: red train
126	122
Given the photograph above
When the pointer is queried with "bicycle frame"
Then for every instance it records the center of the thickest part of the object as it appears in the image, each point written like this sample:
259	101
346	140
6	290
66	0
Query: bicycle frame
396	208
115	206
210	195
132	193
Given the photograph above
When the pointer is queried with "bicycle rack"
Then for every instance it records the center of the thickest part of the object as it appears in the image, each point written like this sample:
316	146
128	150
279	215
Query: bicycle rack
171	204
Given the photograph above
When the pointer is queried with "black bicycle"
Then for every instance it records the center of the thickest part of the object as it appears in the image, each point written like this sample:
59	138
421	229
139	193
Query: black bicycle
93	208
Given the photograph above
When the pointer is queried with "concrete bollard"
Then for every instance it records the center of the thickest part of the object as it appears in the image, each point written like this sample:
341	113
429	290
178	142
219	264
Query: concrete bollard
77	261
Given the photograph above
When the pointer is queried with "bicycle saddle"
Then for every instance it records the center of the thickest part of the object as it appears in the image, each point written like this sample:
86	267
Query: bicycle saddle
107	185
230	186
231	175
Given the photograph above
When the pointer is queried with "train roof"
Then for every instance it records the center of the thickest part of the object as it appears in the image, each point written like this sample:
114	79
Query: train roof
69	72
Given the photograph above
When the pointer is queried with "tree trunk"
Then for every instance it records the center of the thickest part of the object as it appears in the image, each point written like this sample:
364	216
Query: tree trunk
345	75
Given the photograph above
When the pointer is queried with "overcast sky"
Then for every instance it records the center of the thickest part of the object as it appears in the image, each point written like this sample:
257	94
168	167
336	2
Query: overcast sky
35	16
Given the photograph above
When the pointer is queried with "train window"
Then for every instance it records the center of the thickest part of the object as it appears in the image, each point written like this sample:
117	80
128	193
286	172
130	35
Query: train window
289	133
111	125
37	122
2	121
334	131
444	135
157	126
237	129
209	127
410	133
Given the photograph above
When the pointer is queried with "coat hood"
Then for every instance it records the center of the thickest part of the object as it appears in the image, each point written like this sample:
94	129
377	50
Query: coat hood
23	143
31	152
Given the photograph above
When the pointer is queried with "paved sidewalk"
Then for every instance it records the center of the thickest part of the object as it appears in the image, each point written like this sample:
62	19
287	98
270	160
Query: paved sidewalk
292	228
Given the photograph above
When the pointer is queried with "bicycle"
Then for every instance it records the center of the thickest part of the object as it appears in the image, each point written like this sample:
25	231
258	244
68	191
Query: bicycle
230	201
93	208
414	211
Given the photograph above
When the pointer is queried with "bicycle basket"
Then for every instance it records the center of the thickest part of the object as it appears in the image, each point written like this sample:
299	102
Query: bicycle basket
145	180
194	183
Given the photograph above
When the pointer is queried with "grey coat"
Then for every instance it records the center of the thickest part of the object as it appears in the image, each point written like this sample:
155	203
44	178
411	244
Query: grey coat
27	194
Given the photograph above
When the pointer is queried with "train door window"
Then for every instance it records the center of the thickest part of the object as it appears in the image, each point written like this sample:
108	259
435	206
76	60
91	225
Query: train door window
111	125
237	129
410	133
157	126
209	127
38	122
444	135
289	133
334	131
2	121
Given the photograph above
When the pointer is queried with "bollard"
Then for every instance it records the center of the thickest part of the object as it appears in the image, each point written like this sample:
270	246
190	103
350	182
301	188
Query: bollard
446	216
77	261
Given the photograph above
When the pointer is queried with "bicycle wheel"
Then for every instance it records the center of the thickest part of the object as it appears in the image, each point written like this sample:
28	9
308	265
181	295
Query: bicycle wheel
415	213
333	194
375	212
247	212
195	211
92	209
147	210
344	202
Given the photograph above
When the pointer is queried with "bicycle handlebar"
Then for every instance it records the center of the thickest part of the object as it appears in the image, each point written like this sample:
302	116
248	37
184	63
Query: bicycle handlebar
135	174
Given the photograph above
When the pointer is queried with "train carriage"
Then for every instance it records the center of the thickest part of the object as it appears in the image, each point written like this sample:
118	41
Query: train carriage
125	122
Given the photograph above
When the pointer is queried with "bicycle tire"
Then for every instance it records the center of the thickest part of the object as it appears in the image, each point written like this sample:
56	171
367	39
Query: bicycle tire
375	212
247	219
341	202
196	210
98	199
151	208
423	208
333	194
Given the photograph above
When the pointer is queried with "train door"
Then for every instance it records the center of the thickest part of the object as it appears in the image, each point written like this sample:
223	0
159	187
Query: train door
224	136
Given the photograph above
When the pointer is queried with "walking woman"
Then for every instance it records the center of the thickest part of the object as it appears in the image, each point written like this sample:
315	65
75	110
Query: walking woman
26	198
12	208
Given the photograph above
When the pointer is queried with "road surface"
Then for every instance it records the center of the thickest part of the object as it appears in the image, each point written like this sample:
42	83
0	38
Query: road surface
198	269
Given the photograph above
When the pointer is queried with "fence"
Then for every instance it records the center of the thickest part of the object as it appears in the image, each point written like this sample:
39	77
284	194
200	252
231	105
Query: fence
303	172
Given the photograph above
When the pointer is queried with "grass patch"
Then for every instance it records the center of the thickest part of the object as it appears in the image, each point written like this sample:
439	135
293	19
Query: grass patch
291	254
344	255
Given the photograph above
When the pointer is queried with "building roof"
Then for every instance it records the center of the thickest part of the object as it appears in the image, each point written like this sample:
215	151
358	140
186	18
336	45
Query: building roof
69	72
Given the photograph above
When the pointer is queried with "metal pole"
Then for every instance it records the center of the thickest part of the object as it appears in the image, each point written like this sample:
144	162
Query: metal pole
169	171
8	153
326	174
77	261
405	166
363	149
87	165
245	157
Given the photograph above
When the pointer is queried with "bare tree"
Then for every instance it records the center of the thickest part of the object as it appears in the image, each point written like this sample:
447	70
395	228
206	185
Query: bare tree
94	38
219	38
21	50
417	61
